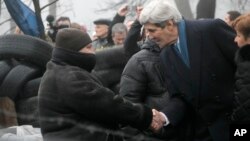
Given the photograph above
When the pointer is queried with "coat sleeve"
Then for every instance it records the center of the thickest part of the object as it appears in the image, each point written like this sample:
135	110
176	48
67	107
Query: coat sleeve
175	110
93	101
130	43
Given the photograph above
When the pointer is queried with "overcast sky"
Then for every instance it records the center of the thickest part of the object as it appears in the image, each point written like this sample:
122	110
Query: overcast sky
83	11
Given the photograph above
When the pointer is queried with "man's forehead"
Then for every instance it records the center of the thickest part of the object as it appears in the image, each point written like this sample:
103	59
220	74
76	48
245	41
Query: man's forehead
101	25
150	27
119	36
64	22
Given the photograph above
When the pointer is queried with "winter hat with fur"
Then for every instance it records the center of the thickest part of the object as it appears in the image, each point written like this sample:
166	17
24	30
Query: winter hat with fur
72	39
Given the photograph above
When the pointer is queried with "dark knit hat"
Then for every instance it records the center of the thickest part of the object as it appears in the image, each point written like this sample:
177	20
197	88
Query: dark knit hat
103	21
72	39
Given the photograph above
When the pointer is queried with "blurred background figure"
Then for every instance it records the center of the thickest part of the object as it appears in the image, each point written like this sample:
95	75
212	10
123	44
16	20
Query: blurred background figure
129	24
119	33
93	37
61	22
231	16
101	32
104	27
78	26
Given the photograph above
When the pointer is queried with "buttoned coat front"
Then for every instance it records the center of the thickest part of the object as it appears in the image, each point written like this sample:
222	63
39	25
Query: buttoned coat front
206	88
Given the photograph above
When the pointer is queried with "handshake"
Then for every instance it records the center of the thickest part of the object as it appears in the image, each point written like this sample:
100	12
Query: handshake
158	121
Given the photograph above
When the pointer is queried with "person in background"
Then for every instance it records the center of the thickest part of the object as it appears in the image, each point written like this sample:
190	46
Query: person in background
119	33
101	33
198	59
241	112
61	22
78	26
103	29
128	24
73	104
231	16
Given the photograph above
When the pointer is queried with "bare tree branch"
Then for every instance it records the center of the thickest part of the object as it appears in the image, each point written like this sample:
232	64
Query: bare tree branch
111	6
6	21
9	30
36	4
66	10
48	4
184	8
0	7
242	5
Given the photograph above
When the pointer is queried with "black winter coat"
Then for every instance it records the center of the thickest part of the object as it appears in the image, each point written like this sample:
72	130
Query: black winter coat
75	106
143	81
107	69
241	112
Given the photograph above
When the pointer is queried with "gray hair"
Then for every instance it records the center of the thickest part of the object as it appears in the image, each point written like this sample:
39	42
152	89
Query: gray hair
119	28
159	11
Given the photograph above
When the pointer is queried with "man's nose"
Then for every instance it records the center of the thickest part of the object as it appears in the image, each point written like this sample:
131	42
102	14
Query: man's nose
235	39
150	37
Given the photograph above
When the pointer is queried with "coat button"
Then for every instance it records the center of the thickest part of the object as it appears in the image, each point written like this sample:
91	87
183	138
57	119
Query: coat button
213	76
209	123
228	114
217	98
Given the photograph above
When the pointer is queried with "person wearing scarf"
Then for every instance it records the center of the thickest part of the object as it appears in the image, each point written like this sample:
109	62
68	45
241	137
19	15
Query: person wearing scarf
74	105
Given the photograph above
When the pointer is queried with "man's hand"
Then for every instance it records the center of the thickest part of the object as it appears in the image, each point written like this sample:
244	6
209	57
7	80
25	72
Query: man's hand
138	11
123	10
157	122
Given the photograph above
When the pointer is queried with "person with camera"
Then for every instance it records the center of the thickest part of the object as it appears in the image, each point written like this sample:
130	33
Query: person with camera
61	22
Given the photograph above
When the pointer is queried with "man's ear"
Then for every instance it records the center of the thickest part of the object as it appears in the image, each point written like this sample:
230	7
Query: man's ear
170	25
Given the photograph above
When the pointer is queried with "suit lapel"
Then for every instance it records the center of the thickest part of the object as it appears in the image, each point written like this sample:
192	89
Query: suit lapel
182	70
194	43
185	80
177	73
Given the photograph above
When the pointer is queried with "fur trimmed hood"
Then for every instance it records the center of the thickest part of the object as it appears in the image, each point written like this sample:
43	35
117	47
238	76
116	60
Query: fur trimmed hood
243	54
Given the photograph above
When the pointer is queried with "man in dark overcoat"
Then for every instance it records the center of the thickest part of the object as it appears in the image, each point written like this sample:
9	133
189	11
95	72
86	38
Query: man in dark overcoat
198	60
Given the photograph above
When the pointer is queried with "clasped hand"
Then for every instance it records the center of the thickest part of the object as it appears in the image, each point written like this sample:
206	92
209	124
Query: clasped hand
158	121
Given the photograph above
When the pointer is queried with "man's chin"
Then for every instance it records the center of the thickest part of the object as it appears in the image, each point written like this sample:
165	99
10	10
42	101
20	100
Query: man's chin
161	46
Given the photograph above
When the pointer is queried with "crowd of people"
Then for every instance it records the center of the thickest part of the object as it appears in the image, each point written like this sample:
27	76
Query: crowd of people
184	80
